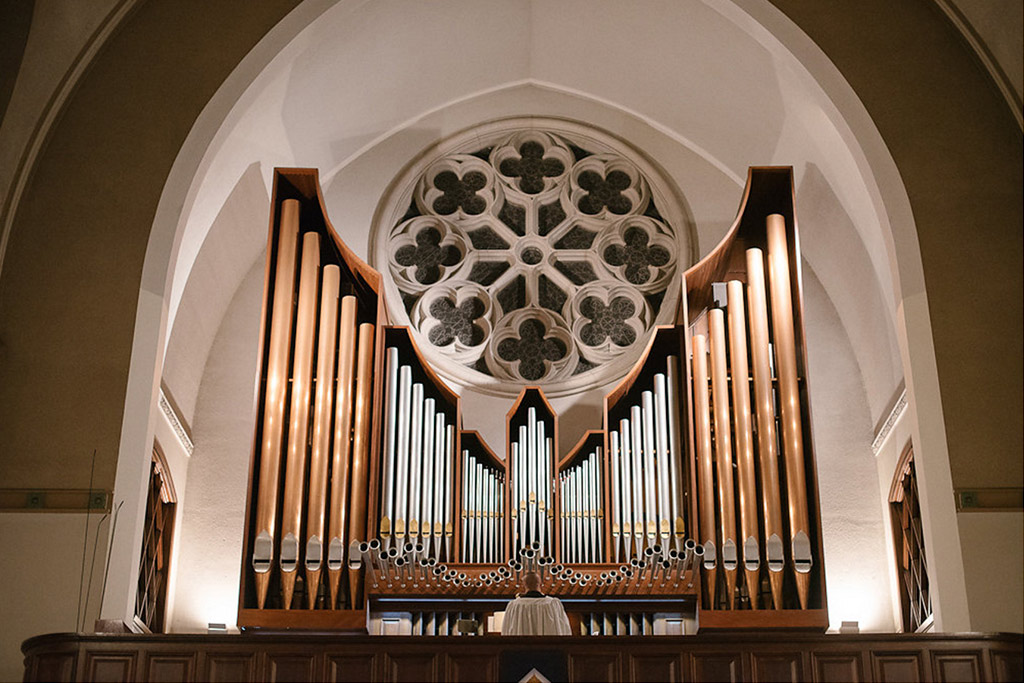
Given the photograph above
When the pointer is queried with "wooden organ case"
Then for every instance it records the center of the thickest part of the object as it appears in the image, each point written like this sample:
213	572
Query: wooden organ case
696	496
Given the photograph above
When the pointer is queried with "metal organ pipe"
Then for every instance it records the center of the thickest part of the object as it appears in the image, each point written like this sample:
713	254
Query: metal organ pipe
361	445
430	483
321	442
705	475
763	403
661	431
650	508
615	491
298	428
341	456
676	451
402	450
415	463
723	452
745	471
789	398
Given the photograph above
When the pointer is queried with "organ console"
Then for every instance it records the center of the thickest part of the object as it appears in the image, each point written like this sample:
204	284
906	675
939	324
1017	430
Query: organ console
674	506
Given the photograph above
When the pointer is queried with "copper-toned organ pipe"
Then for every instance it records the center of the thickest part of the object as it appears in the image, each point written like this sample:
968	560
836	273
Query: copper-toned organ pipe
361	448
723	451
765	411
298	416
321	443
342	450
789	398
745	471
705	474
274	398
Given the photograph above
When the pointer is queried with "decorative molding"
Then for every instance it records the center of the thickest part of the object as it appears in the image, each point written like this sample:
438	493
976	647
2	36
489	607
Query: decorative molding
894	415
530	251
177	423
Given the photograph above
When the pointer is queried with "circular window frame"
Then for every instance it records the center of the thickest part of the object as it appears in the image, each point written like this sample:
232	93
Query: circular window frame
400	195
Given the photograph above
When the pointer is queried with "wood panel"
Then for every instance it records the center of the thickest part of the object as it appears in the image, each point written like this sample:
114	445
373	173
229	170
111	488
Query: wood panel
227	667
351	667
896	667
159	667
718	666
839	667
655	667
287	667
412	667
751	656
1007	665
594	667
779	666
110	666
59	666
957	666
481	668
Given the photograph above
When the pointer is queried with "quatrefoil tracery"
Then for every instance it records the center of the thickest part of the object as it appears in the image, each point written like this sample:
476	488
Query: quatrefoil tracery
532	259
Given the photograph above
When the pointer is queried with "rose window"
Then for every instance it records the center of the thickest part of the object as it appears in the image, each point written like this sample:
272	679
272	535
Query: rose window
532	256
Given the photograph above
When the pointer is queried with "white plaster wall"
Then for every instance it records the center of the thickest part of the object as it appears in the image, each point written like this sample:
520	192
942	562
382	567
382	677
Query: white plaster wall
857	578
41	579
210	543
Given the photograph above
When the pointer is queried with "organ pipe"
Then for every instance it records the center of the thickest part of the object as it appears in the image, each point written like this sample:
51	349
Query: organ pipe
789	398
766	440
723	452
276	392
298	427
342	450
321	443
705	475
361	446
661	430
745	471
675	451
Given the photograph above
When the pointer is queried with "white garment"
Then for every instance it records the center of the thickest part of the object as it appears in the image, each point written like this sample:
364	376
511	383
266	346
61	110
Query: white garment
535	617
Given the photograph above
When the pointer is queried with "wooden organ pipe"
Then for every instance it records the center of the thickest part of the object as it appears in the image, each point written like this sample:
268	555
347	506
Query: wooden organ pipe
745	470
298	427
321	443
342	451
723	452
361	447
789	398
705	473
764	407
274	402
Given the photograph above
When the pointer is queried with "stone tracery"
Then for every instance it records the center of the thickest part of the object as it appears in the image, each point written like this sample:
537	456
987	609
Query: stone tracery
532	256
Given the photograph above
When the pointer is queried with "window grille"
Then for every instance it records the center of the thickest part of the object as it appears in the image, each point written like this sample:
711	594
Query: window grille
908	537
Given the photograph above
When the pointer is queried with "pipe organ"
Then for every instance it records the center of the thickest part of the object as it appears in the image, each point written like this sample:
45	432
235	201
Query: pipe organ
694	502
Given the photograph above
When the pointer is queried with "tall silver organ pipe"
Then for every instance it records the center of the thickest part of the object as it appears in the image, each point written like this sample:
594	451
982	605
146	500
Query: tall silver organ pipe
417	472
615	495
580	510
675	462
532	482
482	514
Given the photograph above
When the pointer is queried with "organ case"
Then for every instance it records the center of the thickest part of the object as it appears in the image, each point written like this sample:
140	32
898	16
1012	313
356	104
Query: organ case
700	487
